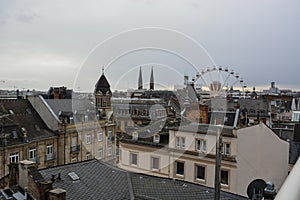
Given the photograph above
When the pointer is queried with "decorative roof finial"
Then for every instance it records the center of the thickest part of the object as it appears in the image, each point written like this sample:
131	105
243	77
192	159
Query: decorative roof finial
102	69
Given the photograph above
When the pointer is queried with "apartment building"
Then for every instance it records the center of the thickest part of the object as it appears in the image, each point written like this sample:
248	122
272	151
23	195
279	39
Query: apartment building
189	155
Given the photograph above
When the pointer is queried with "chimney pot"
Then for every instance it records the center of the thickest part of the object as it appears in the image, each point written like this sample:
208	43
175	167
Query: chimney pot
53	178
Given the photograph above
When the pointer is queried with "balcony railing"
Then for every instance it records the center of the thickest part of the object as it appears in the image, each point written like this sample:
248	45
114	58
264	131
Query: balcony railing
50	156
74	149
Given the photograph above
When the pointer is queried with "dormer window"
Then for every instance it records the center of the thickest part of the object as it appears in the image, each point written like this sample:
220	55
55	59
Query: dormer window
156	138
135	135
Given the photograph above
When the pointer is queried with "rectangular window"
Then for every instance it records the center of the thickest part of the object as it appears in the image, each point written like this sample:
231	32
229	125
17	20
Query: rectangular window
226	149
200	172
179	168
177	142
88	139
201	145
100	154
100	137
198	145
14	157
109	151
224	177
88	156
74	160
32	154
155	163
204	145
156	138
49	149
180	142
133	158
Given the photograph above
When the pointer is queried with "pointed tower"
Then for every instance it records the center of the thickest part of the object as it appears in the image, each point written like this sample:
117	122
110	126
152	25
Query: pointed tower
140	83
102	93
152	80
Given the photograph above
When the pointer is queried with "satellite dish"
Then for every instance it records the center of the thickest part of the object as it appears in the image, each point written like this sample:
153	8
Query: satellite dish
256	188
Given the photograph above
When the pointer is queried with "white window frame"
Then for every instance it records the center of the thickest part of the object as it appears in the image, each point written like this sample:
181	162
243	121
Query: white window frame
74	160
88	156
14	157
156	138
49	149
100	153
226	150
32	153
88	139
100	136
180	142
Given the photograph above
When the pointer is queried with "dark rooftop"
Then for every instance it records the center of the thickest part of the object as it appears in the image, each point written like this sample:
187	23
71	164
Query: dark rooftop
102	85
20	116
98	180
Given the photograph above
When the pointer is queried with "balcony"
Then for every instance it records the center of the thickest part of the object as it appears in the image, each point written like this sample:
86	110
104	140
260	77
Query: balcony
36	160
75	149
49	157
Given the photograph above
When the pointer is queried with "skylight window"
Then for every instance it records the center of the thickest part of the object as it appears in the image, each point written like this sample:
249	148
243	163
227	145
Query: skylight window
73	176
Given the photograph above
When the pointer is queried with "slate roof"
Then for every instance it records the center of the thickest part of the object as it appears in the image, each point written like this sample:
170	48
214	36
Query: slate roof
149	187
70	105
98	180
21	114
102	85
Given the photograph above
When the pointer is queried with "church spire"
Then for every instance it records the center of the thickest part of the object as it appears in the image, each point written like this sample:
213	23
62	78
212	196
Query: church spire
152	80
140	83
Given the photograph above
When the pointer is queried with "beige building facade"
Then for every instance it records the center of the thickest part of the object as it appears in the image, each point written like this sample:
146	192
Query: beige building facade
247	154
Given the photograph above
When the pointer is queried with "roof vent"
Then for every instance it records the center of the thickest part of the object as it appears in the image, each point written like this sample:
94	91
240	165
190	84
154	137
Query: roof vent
73	176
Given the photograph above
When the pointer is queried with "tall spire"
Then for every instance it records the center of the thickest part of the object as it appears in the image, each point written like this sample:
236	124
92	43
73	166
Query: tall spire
152	80
140	83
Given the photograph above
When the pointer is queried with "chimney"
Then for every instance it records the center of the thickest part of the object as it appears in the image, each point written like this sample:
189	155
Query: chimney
23	172
57	194
53	178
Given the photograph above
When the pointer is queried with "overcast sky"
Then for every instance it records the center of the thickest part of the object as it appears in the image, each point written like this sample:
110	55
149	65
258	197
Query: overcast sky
46	43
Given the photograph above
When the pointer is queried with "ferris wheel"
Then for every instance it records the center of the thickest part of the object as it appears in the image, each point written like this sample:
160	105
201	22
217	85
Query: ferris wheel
219	81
